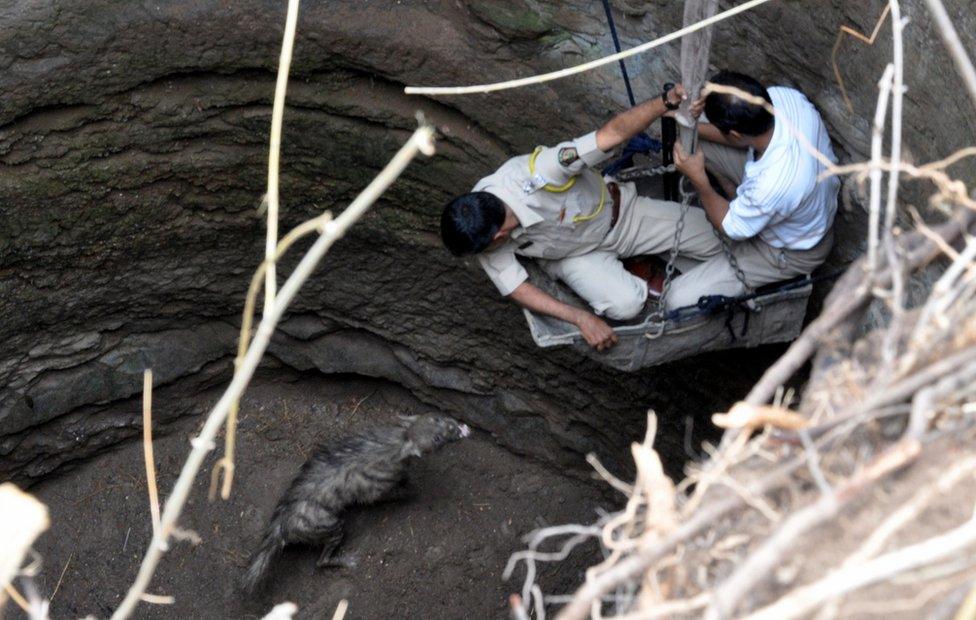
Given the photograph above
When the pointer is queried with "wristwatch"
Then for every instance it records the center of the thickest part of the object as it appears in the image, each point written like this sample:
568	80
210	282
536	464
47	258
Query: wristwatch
664	97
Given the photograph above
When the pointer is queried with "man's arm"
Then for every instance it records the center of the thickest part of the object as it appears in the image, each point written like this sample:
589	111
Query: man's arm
708	131
693	167
595	330
628	124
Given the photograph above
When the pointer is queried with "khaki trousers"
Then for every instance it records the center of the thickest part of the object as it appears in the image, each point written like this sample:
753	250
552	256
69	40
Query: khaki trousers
760	262
647	226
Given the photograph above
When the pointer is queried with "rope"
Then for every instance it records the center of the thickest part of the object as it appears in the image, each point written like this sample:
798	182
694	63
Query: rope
616	46
641	143
559	189
586	66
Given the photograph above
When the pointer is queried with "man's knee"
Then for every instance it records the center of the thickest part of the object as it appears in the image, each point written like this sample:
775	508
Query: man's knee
681	296
687	289
624	307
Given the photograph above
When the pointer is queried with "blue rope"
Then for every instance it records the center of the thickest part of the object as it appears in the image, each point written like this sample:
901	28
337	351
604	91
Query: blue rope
710	304
616	46
641	143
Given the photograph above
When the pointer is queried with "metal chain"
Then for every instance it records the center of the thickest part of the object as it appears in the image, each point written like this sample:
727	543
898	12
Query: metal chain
733	261
632	174
644	172
679	228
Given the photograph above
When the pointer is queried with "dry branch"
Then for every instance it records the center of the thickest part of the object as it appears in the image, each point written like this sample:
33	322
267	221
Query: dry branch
877	135
147	448
726	597
274	151
950	38
869	40
743	416
226	464
22	519
805	599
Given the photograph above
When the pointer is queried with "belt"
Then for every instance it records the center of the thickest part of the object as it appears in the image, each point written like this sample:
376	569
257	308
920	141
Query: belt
614	190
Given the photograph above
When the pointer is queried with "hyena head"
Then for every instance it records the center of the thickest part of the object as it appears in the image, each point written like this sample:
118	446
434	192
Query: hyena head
430	431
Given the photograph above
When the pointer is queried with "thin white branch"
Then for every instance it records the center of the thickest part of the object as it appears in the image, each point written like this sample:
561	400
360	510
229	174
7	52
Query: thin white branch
877	138
422	141
22	519
147	448
897	95
274	153
801	601
956	50
587	66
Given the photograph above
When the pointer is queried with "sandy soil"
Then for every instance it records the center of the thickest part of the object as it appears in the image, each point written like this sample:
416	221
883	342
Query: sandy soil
439	555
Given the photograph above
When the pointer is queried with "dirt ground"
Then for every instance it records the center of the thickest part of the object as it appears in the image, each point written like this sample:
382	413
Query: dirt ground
439	555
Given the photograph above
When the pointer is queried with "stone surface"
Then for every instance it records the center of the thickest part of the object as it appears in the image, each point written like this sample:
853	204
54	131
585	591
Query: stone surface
132	160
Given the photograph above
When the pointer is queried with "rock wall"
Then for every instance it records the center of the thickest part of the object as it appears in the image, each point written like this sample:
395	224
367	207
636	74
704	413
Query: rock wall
132	161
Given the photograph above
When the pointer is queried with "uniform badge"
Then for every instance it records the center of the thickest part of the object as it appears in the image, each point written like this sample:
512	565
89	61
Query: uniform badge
568	155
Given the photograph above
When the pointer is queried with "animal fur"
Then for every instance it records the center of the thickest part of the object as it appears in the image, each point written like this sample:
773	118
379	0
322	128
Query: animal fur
357	470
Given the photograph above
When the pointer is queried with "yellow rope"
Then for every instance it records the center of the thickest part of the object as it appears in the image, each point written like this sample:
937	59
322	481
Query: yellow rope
555	189
599	209
559	189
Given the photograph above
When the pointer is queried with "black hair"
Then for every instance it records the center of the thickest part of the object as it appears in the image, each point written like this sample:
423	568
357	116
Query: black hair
469	222
728	112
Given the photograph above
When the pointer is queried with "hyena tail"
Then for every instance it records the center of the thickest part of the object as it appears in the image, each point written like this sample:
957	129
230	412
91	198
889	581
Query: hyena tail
271	547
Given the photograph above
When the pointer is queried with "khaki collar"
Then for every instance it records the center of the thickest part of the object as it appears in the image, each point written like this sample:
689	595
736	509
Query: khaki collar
525	215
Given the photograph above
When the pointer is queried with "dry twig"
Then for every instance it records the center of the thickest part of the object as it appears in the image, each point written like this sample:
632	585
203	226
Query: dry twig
869	40
803	600
147	448
950	38
226	464
726	597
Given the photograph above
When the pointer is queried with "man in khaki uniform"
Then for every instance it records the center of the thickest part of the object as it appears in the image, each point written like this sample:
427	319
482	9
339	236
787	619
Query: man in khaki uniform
552	206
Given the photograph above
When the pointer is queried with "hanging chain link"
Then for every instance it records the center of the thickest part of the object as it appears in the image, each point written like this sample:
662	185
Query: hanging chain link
733	261
679	227
641	172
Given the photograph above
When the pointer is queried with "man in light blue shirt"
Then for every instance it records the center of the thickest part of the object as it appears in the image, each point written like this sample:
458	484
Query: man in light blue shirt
778	212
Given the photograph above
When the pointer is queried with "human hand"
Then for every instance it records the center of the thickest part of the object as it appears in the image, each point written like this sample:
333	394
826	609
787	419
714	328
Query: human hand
697	107
690	165
595	331
677	94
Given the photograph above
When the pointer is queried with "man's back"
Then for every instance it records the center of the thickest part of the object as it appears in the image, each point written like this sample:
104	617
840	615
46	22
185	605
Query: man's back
781	198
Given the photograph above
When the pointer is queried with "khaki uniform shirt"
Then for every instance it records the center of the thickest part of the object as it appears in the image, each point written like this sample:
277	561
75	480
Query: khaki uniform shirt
555	221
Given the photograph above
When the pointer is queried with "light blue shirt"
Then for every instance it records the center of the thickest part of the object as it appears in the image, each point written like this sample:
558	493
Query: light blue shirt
780	198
